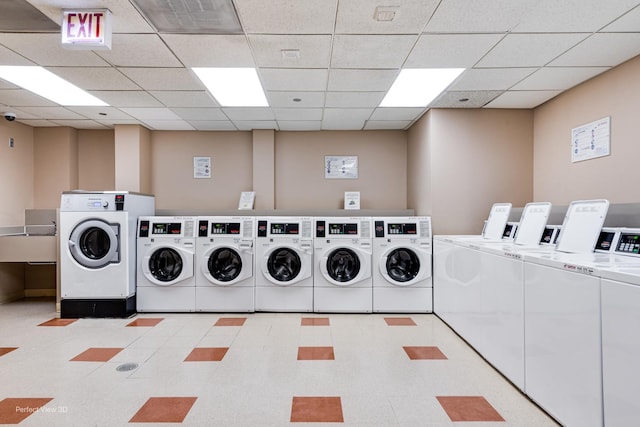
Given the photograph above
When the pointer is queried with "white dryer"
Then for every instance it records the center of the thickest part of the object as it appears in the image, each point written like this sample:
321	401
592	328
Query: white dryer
402	265
224	264
284	268
166	260
342	280
98	252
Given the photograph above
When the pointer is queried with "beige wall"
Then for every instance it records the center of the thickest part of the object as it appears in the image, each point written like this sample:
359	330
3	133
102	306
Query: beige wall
615	94
172	177
96	160
55	165
299	169
475	158
418	167
16	172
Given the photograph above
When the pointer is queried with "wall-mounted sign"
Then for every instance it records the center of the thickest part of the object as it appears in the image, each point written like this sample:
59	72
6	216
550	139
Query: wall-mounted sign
202	167
341	167
86	29
591	140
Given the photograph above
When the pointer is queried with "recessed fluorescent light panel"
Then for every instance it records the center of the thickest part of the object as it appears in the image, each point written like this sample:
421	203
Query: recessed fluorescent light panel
233	87
417	87
46	84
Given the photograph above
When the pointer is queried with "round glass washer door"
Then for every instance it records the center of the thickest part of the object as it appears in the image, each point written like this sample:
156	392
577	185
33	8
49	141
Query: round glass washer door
284	265
165	265
343	265
224	265
402	266
95	243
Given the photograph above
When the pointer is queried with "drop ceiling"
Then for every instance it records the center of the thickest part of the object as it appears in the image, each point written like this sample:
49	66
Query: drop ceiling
324	64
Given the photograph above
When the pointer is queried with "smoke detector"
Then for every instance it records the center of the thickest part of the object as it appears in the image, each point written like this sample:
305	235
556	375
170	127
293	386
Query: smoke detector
385	13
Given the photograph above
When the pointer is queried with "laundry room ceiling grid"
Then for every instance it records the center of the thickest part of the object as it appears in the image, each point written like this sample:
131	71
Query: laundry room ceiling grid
323	64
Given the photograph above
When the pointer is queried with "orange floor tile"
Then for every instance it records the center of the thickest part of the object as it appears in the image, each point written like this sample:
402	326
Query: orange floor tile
203	354
469	408
316	410
14	410
230	321
164	410
146	321
5	350
424	353
314	321
58	322
399	321
97	355
315	353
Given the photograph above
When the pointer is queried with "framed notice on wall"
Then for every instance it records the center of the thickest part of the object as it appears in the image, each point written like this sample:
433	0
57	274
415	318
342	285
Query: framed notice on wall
202	167
340	167
591	140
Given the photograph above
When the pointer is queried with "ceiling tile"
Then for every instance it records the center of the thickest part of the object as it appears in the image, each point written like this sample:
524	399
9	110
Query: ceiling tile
552	16
46	50
455	99
450	50
286	99
304	114
479	16
151	114
249	113
258	124
52	113
629	22
287	16
167	124
361	80
210	50
200	114
139	50
354	99
212	125
387	125
133	98
285	125
490	78
313	50
19	15
9	57
602	49
371	51
522	99
184	98
95	78
345	118
38	123
81	124
22	97
357	16
294	79
396	113
100	113
529	50
558	78
163	78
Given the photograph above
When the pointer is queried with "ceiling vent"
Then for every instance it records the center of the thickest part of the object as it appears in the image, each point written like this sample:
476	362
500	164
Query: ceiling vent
191	16
385	13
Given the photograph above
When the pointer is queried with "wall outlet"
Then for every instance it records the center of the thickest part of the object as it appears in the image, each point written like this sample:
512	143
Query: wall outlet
10	142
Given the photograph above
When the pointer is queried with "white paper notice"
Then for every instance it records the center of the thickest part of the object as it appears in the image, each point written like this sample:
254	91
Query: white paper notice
352	200
591	140
341	167
246	200
202	167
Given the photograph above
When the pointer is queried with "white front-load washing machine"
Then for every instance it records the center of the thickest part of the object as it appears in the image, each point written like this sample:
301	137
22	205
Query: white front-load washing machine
401	267
284	268
166	260
224	264
342	280
98	252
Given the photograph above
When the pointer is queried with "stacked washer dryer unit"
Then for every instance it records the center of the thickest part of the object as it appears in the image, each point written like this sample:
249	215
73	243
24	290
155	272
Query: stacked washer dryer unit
284	267
166	259
401	268
342	279
98	252
224	264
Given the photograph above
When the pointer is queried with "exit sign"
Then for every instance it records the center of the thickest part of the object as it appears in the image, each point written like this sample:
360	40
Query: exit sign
86	29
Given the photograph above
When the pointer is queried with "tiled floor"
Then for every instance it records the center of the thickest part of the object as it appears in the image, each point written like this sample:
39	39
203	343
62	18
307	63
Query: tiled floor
262	369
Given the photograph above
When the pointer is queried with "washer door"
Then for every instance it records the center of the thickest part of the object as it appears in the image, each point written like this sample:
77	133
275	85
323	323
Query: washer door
226	265
167	265
403	266
95	243
342	266
283	266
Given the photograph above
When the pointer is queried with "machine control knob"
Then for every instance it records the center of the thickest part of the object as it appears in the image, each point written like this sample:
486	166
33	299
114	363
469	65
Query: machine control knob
105	204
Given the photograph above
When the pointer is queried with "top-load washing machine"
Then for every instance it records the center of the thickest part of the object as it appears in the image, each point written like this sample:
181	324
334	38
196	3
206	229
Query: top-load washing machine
284	268
166	260
342	280
224	264
98	252
401	267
